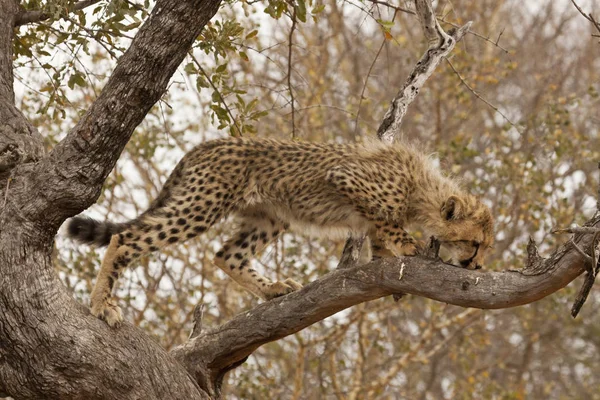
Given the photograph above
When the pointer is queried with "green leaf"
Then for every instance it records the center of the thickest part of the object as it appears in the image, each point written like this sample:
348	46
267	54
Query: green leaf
77	79
190	68
318	9
201	83
221	68
251	34
301	10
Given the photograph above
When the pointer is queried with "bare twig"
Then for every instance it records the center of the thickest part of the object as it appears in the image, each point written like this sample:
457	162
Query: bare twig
443	20
362	92
591	262
583	230
589	17
476	94
28	17
479	35
289	71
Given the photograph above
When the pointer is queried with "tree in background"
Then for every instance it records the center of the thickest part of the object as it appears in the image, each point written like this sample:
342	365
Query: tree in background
513	112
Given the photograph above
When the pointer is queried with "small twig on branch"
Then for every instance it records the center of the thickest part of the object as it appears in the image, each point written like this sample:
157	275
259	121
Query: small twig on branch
289	71
362	92
443	20
476	94
589	17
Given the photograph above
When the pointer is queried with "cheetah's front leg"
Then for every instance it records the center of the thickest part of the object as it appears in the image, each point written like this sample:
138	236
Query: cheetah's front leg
393	240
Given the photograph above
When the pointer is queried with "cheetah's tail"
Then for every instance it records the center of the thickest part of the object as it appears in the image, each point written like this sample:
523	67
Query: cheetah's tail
89	231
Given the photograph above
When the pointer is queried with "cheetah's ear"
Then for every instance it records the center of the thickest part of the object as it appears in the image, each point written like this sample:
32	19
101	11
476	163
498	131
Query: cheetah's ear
452	209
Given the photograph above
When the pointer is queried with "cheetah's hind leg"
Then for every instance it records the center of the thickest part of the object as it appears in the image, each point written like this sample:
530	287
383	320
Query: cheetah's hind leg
255	233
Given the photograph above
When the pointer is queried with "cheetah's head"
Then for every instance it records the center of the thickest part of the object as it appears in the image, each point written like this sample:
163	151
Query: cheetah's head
467	231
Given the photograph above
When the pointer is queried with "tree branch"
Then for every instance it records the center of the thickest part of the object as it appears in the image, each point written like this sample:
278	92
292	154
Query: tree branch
28	17
233	341
70	179
440	45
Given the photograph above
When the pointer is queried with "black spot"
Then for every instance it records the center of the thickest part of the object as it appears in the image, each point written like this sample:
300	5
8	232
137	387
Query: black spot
244	264
239	256
162	236
148	240
173	239
135	246
220	253
180	221
199	229
174	231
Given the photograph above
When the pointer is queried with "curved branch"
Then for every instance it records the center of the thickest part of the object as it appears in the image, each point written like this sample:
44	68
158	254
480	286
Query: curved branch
233	341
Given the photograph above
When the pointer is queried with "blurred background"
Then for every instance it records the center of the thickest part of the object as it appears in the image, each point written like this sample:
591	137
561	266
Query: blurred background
514	113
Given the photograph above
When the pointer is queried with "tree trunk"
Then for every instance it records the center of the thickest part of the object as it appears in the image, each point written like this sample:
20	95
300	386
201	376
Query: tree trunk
50	346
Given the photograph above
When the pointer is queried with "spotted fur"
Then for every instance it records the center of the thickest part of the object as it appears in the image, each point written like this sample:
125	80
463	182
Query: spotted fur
274	186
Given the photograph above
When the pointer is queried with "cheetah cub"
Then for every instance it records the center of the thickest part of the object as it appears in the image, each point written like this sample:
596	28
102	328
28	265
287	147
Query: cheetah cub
273	186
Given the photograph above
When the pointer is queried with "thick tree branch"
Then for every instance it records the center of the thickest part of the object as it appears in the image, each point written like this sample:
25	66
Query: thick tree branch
28	17
71	177
233	341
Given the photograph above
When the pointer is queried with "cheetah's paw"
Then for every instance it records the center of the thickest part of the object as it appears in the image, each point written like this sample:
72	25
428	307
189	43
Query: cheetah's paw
108	312
277	289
